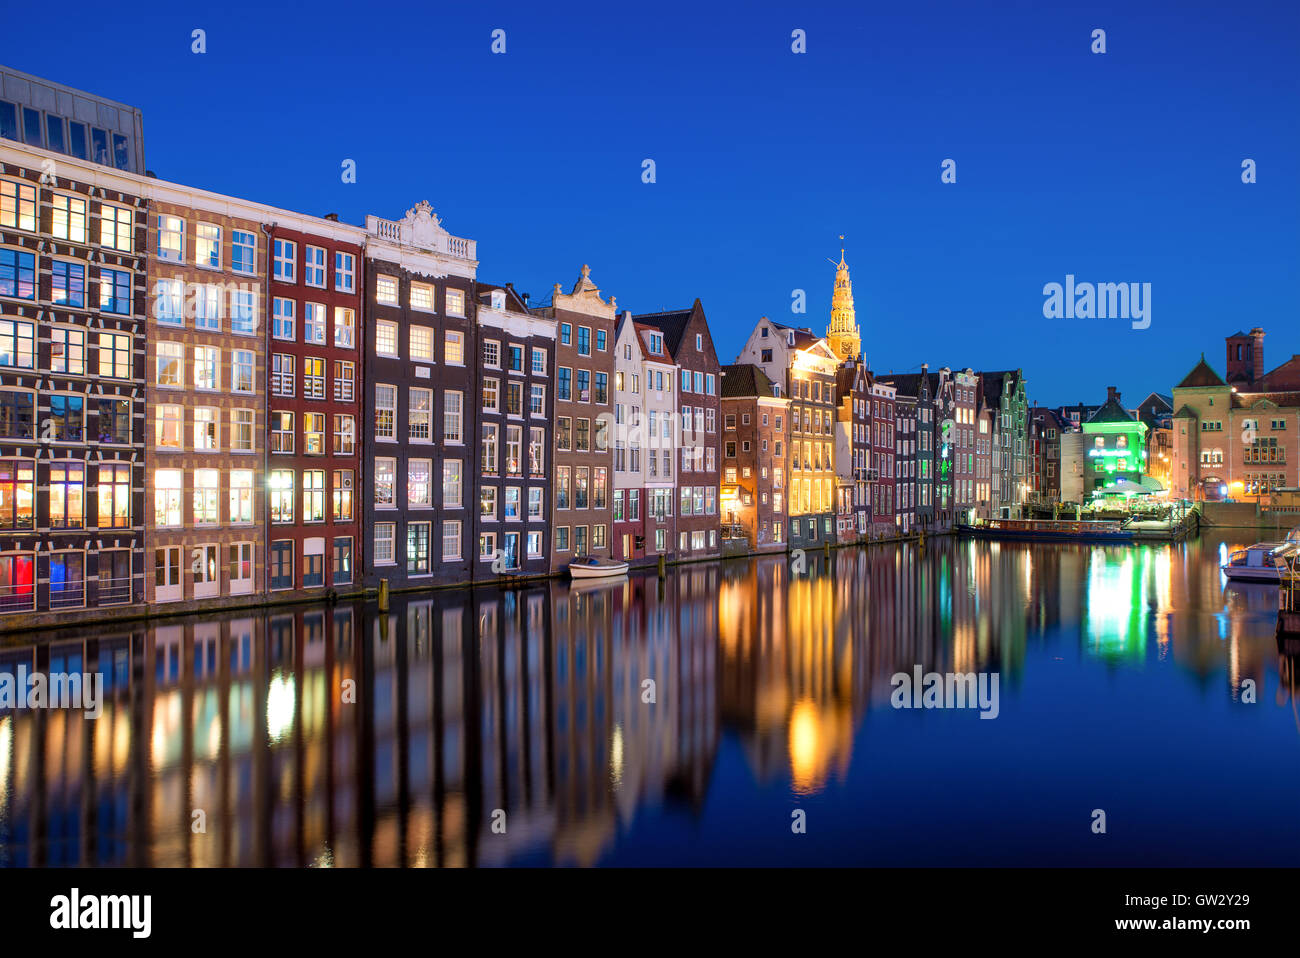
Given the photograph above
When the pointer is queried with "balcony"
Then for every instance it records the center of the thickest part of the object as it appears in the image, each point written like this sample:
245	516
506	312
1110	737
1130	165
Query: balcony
733	530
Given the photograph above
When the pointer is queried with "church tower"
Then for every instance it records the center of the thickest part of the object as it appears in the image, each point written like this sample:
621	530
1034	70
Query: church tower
842	335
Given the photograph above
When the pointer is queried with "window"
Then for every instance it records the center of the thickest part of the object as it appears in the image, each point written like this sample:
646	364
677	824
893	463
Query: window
241	430
419	415
491	395
345	374
602	387
313	495
566	334
453	352
386	339
345	434
68	218
488	462
171	238
114	495
584	340
419	483
114	289
284	311
241	495
243	252
313	378
282	376
313	266
345	272
207	246
342	495
17	343
282	432
286	257
279	559
168	422
345	325
116	225
452	486
66	418
385	412
281	486
385	532
386	482
584	385
207	307
207	366
243	312
417	548
514	399
535	504
67	350
421	343
516	354
386	290
169	302
313	323
207	494
422	297
451	540
452	402
313	433
455	299
205	428
17	274
564	433
18	205
342	574
17	415
167	573
601	337
564	387
167	489
67	495
561	538
537	452
539	362
512	503
487	502
68	284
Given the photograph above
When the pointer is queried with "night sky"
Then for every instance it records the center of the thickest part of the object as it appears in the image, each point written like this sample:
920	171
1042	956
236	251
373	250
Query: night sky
1115	167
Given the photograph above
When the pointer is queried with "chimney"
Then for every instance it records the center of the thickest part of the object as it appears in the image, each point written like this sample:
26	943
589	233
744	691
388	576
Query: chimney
1257	354
1112	393
332	217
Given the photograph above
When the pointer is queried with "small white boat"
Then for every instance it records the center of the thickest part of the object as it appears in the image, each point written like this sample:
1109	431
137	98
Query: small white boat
593	567
1261	562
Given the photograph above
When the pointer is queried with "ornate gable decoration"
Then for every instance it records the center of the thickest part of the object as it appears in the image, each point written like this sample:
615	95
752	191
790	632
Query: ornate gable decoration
585	298
421	227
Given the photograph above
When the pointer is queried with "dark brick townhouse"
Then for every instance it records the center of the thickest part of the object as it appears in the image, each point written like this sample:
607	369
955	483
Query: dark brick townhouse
754	415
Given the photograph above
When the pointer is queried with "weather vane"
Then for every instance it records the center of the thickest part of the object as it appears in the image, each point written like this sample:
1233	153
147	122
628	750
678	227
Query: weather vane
831	261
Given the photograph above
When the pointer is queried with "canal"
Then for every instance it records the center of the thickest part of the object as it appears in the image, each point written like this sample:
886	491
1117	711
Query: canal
693	721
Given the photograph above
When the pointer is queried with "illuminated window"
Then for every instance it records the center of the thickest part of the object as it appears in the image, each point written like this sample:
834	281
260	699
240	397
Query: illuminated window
205	428
386	339
421	339
282	433
168	423
116	227
385	289
386	482
452	402
67	350
453	352
18	205
207	497
241	495
282	377
345	324
345	373
342	495
313	378
385	412
171	238
67	495
167	492
420	415
313	433
207	245
115	355
68	218
313	323
417	547
455	299
422	296
345	434
452	486
114	495
241	430
419	483
207	367
281	486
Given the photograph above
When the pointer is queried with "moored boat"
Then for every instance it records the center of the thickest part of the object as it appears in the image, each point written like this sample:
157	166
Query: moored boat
1261	562
1054	530
593	567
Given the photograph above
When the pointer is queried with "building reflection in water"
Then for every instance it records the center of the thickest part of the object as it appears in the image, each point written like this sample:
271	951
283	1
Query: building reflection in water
336	736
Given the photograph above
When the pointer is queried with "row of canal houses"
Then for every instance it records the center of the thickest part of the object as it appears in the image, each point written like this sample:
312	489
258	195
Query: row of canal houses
208	401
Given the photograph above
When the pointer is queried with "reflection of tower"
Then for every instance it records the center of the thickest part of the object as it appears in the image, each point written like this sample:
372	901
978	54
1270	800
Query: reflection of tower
842	335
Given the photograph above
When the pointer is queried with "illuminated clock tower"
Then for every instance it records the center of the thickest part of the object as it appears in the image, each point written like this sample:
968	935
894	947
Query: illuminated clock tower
842	335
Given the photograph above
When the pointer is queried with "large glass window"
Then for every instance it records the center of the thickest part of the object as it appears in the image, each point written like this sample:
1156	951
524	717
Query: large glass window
18	205
17	414
241	495
67	495
67	418
114	421
168	487
17	274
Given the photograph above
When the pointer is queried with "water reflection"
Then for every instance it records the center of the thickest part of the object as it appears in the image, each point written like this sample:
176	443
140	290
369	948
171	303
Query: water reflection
599	723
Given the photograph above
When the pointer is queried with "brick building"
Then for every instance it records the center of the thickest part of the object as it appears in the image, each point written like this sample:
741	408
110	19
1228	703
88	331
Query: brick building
754	417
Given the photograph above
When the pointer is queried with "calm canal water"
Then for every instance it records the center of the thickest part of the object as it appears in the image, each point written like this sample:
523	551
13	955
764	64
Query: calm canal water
332	735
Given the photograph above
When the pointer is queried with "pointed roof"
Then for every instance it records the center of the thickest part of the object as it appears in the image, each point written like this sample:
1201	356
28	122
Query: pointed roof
745	381
1111	411
672	323
1202	374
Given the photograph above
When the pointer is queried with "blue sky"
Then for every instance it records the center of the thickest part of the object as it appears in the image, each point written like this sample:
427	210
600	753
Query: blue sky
1115	167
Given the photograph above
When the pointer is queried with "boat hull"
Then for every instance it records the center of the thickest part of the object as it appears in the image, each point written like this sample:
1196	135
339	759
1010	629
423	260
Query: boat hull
1046	535
578	571
1252	573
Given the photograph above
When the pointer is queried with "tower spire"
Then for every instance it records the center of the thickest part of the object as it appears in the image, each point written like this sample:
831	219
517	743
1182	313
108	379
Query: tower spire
843	335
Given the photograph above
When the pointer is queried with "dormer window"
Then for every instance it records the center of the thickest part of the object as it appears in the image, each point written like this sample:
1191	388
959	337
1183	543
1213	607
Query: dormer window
498	299
790	337
765	332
